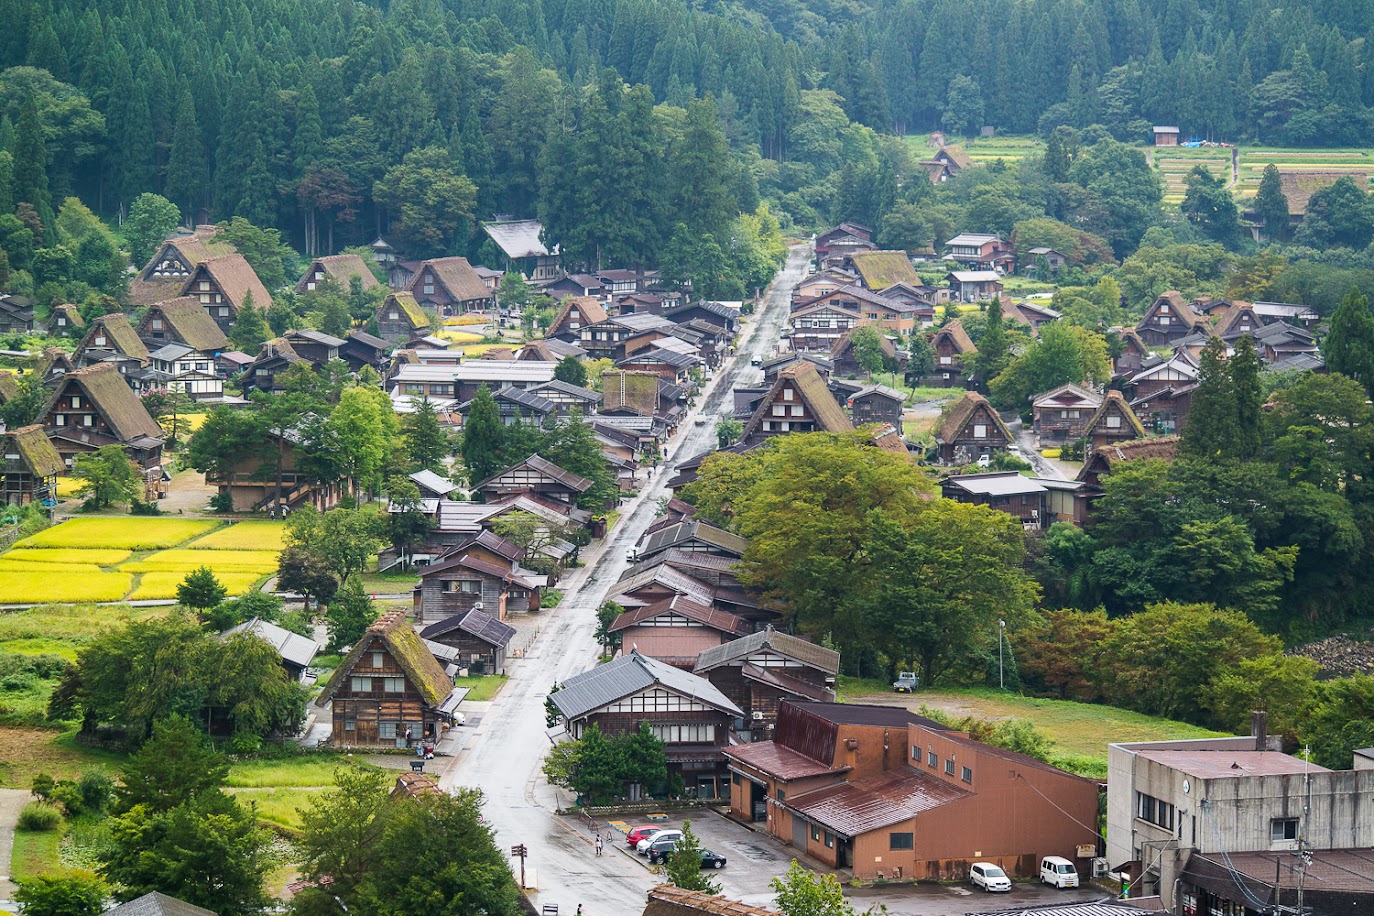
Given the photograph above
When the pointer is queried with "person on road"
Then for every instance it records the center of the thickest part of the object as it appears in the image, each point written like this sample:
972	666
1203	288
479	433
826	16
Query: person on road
598	844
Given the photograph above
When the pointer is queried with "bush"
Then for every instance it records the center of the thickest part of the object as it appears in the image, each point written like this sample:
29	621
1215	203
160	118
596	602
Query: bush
39	817
139	507
96	788
550	598
222	502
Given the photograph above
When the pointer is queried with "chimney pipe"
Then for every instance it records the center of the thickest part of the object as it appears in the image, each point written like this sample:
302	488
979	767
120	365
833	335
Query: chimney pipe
1259	729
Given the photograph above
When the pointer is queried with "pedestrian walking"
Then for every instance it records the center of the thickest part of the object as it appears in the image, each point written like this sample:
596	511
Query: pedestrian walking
598	844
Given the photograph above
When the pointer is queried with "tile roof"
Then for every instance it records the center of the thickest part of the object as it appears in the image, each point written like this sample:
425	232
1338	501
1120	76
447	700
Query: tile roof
681	606
158	904
518	238
1069	395
784	644
189	320
693	529
475	623
115	400
855	808
293	647
421	668
779	761
586	692
548	468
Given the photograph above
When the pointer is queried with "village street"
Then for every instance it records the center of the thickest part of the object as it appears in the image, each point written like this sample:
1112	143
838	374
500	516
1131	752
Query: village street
503	751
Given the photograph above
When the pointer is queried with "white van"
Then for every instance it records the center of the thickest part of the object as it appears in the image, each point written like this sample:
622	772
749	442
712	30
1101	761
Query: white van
1058	871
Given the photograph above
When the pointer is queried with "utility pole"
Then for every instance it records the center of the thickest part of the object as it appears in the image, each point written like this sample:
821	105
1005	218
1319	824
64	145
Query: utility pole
1304	860
1001	632
521	852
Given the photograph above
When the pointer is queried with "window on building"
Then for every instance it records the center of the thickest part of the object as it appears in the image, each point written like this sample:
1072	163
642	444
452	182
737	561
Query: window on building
980	431
1113	422
946	360
815	833
394	684
798	410
1074	414
787	394
1283	828
967	775
829	840
386	730
60	420
157	324
901	841
949	766
376	659
429	289
361	684
779	410
782	796
87	420
933	759
1153	810
350	725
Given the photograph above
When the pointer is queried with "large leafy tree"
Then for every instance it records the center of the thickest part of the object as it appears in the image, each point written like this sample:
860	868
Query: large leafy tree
684	864
1208	204
1062	353
430	201
151	219
341	830
107	476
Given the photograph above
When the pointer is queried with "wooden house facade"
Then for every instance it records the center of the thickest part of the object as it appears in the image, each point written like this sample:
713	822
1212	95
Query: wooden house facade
675	630
1062	414
1113	422
93	407
970	429
757	672
951	344
251	484
876	404
400	317
688	713
797	402
181	321
479	640
535	475
65	321
341	269
463	580
389	683
29	467
450	286
1167	319
817	328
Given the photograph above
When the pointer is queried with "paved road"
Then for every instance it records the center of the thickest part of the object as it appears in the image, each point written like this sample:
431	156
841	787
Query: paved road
12	802
504	750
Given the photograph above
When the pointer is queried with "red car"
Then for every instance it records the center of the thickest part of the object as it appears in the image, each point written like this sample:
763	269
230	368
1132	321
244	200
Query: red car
639	833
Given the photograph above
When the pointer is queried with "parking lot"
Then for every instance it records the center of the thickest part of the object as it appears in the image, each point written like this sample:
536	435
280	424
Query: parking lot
754	859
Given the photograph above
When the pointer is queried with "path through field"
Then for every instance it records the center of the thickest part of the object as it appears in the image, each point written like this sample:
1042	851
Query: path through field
12	801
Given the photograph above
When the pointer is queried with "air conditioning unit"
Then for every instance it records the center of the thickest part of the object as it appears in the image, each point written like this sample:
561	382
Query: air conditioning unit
1099	867
757	716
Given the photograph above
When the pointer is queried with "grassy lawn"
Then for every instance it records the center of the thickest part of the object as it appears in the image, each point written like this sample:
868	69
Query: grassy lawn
276	789
482	688
1080	731
35	853
389	583
921	393
26	752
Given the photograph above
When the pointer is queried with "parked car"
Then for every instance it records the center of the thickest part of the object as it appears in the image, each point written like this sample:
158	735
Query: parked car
711	859
906	682
661	848
639	833
989	877
984	461
643	846
1058	871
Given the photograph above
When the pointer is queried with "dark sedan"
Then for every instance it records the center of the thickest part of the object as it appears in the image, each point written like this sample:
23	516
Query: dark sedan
711	859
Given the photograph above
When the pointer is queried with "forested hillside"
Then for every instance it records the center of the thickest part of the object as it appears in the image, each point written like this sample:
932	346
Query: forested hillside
301	114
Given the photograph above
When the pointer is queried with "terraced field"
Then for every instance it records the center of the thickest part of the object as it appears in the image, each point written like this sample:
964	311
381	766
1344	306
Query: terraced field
1254	159
113	559
1175	164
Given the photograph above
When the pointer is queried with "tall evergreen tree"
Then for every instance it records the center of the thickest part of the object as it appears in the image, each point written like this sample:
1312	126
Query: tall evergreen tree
699	174
426	444
992	346
308	144
188	174
483	437
1349	346
1212	430
250	328
1244	370
31	162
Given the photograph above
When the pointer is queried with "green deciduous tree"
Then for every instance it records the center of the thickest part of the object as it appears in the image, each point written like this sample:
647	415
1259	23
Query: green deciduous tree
426	444
151	219
1062	353
1341	719
430	201
341	830
107	477
77	894
1208	204
349	615
802	892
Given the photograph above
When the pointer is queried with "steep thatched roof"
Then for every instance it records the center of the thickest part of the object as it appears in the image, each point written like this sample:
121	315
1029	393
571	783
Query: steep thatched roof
881	269
634	391
811	392
957	334
118	334
588	307
457	276
1115	402
33	445
341	268
113	398
421	668
408	307
9	387
236	279
187	320
961	411
669	900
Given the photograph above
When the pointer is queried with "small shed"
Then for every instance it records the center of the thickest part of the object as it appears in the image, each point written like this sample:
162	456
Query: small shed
1165	136
296	651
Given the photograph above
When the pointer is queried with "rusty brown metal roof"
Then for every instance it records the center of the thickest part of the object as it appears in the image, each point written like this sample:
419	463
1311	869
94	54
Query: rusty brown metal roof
855	808
780	762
